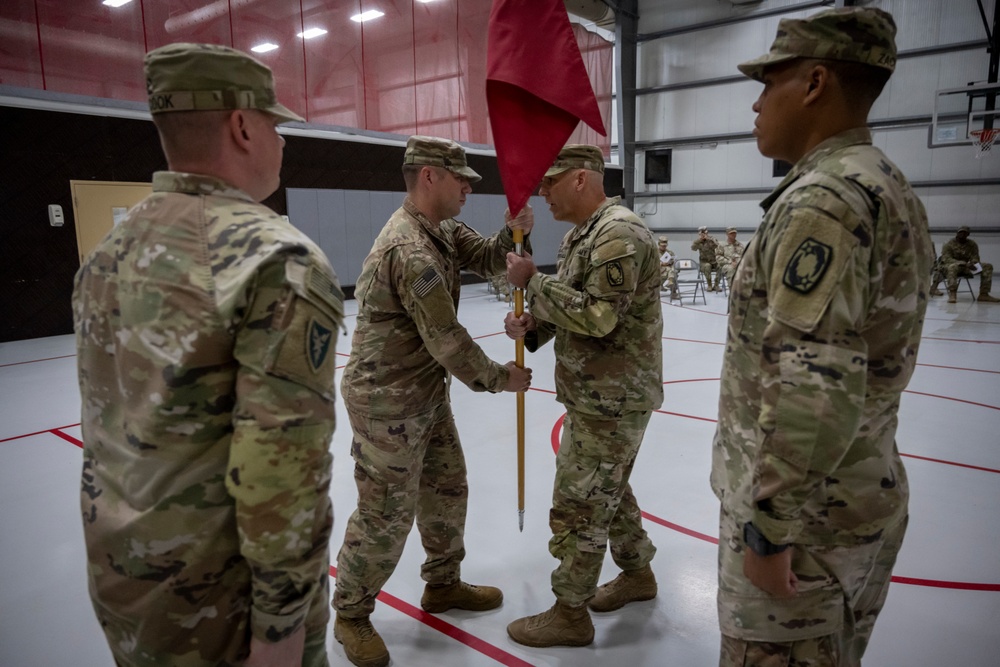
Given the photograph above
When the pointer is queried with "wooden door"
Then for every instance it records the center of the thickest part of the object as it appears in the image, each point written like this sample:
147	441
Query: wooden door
100	205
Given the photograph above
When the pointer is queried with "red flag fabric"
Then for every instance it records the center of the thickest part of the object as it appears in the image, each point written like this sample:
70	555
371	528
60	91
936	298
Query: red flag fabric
537	91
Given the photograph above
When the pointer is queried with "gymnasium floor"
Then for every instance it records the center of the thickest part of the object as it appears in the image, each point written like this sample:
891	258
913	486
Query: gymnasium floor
944	609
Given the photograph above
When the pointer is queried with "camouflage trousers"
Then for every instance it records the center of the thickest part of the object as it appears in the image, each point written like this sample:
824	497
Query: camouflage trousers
403	468
952	271
841	591
126	655
668	277
593	504
707	269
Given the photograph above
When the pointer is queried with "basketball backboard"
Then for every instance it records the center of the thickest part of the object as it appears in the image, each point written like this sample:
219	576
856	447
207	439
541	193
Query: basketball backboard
960	111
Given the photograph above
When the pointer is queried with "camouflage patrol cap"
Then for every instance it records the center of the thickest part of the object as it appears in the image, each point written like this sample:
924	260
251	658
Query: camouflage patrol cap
857	34
964	228
730	230
703	228
577	156
438	152
210	77
662	239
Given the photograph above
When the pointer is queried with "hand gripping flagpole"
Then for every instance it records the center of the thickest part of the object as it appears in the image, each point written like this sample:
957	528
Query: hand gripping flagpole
519	362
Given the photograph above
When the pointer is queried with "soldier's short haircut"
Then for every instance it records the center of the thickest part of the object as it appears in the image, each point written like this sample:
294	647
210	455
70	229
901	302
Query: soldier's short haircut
863	82
410	173
191	134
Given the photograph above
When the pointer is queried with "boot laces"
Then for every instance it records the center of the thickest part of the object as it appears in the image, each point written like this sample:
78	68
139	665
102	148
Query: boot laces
363	628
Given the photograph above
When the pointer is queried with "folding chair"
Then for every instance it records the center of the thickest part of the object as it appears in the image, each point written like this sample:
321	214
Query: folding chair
690	281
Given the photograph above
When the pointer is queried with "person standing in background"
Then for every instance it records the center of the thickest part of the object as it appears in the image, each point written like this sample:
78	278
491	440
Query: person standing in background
205	329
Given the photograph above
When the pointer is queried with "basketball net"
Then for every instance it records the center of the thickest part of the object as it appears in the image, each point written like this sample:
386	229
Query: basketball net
983	140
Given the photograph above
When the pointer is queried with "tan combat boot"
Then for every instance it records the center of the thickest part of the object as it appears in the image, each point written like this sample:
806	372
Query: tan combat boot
629	586
460	595
561	625
935	291
362	643
952	296
984	297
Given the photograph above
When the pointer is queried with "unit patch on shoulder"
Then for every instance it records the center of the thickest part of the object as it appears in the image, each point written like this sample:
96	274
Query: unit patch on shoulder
318	341
616	276
426	282
808	264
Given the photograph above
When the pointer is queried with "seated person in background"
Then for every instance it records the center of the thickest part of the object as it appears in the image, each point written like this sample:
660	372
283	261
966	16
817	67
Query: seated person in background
728	254
668	274
501	286
959	259
706	246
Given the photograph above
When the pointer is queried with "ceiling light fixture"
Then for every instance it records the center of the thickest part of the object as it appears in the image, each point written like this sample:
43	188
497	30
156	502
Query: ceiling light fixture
425	1
115	3
264	48
367	16
312	32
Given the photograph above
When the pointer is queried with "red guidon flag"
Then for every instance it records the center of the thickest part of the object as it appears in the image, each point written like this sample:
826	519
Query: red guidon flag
537	90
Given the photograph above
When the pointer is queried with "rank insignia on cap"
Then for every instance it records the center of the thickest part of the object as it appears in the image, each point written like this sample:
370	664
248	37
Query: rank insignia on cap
806	267
616	277
426	282
318	344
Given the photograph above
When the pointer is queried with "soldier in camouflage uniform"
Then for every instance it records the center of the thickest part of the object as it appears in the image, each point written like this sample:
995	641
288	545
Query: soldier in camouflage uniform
668	272
205	329
958	258
707	248
826	311
603	309
727	255
407	344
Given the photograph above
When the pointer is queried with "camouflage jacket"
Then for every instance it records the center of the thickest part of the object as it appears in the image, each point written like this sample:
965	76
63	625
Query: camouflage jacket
956	251
205	329
603	308
408	337
706	248
826	310
727	254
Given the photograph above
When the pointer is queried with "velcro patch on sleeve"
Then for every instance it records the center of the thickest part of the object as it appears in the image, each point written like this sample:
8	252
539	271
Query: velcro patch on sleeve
809	263
427	281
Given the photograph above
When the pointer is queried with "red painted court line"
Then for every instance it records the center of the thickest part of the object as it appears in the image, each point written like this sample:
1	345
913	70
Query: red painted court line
28	435
963	340
488	335
958	368
911	581
957	585
35	361
950	398
688	340
447	629
67	437
950	463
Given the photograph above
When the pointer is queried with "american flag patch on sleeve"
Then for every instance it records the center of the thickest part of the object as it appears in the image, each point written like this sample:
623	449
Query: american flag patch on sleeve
427	281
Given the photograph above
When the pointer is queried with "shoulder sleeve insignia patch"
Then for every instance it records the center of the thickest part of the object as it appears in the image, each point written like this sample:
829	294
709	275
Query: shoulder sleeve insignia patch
318	344
806	267
616	276
426	282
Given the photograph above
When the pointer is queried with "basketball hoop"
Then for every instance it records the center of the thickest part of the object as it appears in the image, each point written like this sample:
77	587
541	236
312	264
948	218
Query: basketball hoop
983	140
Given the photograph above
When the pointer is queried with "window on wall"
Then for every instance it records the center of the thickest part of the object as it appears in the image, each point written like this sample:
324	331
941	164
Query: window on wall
658	165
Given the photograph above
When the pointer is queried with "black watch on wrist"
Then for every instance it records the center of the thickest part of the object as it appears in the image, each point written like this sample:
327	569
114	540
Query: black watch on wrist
760	544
